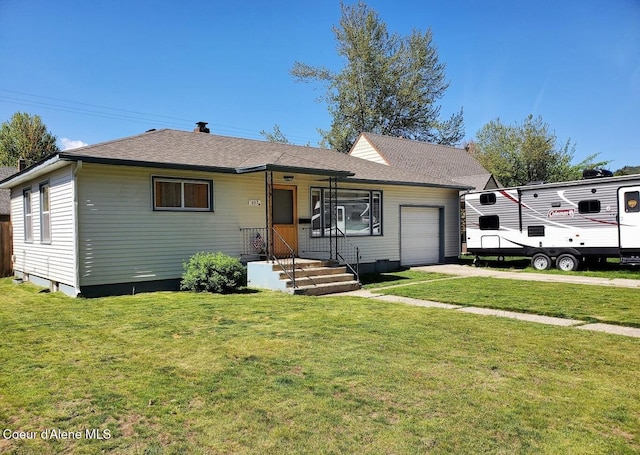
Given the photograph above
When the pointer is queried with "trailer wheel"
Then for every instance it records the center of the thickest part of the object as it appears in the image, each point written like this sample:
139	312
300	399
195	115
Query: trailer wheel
567	263
541	261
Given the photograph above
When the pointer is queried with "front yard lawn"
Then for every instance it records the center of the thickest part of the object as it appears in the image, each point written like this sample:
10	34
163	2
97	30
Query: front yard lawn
589	303
173	373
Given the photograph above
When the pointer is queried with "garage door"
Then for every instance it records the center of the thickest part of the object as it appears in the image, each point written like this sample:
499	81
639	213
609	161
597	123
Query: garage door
419	235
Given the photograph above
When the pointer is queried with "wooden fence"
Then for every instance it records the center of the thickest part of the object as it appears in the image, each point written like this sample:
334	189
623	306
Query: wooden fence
6	241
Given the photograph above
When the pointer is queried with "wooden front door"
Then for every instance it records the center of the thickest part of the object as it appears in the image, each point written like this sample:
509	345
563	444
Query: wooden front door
284	216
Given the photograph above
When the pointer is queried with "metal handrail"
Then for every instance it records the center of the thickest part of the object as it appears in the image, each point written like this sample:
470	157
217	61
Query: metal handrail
292	256
348	243
347	253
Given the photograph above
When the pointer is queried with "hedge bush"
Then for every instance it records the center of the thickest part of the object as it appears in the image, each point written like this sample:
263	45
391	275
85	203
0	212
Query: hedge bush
213	272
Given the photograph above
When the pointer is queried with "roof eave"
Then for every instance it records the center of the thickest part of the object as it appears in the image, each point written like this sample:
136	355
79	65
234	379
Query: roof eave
47	165
149	164
403	183
293	170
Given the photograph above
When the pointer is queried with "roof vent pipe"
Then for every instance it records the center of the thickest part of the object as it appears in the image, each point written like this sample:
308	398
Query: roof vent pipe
22	164
201	128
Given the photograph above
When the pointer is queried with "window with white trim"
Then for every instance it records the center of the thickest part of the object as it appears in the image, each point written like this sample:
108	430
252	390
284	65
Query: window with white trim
182	194
356	212
28	216
45	214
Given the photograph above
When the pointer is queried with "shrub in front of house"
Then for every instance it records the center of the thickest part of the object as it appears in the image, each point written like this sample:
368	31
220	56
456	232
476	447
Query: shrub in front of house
213	272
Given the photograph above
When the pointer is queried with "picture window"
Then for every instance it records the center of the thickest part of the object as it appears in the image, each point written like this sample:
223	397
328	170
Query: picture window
355	212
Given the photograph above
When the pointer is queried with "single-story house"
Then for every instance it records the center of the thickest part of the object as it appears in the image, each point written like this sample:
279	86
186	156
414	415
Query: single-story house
123	216
425	158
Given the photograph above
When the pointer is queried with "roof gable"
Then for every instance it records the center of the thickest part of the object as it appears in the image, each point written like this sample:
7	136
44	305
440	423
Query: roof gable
429	159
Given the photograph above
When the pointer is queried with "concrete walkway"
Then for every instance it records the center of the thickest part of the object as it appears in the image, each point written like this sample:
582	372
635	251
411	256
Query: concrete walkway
462	271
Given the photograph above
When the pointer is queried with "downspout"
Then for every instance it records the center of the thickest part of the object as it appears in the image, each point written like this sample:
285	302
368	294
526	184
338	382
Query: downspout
76	223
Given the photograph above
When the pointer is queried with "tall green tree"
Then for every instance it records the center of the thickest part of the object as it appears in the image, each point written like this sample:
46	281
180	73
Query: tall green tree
25	136
390	84
528	152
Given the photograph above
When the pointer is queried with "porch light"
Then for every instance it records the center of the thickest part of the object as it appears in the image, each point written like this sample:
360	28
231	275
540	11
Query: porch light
288	178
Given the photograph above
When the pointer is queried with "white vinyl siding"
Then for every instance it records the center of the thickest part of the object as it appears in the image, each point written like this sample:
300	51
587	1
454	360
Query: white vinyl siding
387	246
52	259
363	149
122	239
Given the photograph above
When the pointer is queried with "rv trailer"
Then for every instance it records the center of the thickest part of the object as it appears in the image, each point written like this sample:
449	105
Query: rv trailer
569	222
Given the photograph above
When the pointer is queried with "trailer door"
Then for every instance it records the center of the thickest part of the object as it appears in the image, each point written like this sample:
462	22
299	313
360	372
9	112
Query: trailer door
629	214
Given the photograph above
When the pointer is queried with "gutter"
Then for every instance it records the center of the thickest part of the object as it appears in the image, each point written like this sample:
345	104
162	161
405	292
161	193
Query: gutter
293	169
399	183
49	164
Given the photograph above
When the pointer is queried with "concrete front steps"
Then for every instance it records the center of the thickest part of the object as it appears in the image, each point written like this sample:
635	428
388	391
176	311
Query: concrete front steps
313	277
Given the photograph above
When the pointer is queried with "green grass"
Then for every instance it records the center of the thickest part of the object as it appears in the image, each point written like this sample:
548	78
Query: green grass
589	303
404	277
173	373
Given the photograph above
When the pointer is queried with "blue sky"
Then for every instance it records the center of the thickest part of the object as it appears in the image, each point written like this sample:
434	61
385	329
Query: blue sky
170	64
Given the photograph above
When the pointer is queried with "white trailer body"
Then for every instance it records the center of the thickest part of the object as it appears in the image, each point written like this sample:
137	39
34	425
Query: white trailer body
570	221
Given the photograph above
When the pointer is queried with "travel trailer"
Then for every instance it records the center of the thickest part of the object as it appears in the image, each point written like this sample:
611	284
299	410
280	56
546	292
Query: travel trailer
569	222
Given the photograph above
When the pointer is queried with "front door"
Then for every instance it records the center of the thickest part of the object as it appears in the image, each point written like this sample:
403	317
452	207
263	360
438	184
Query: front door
629	214
284	218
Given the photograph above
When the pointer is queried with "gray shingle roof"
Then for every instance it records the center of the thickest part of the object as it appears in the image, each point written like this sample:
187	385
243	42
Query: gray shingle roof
430	159
169	148
5	195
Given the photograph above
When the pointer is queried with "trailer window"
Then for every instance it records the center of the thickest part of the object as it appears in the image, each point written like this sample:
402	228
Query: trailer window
535	231
489	223
488	198
631	204
591	206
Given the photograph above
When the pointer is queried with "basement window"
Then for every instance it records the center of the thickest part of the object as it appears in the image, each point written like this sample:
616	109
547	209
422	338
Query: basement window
174	194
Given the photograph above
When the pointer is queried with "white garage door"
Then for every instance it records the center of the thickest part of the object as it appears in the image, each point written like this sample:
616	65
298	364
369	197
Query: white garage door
419	235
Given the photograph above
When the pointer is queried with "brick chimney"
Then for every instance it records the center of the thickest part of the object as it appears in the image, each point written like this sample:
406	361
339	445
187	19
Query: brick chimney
201	128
